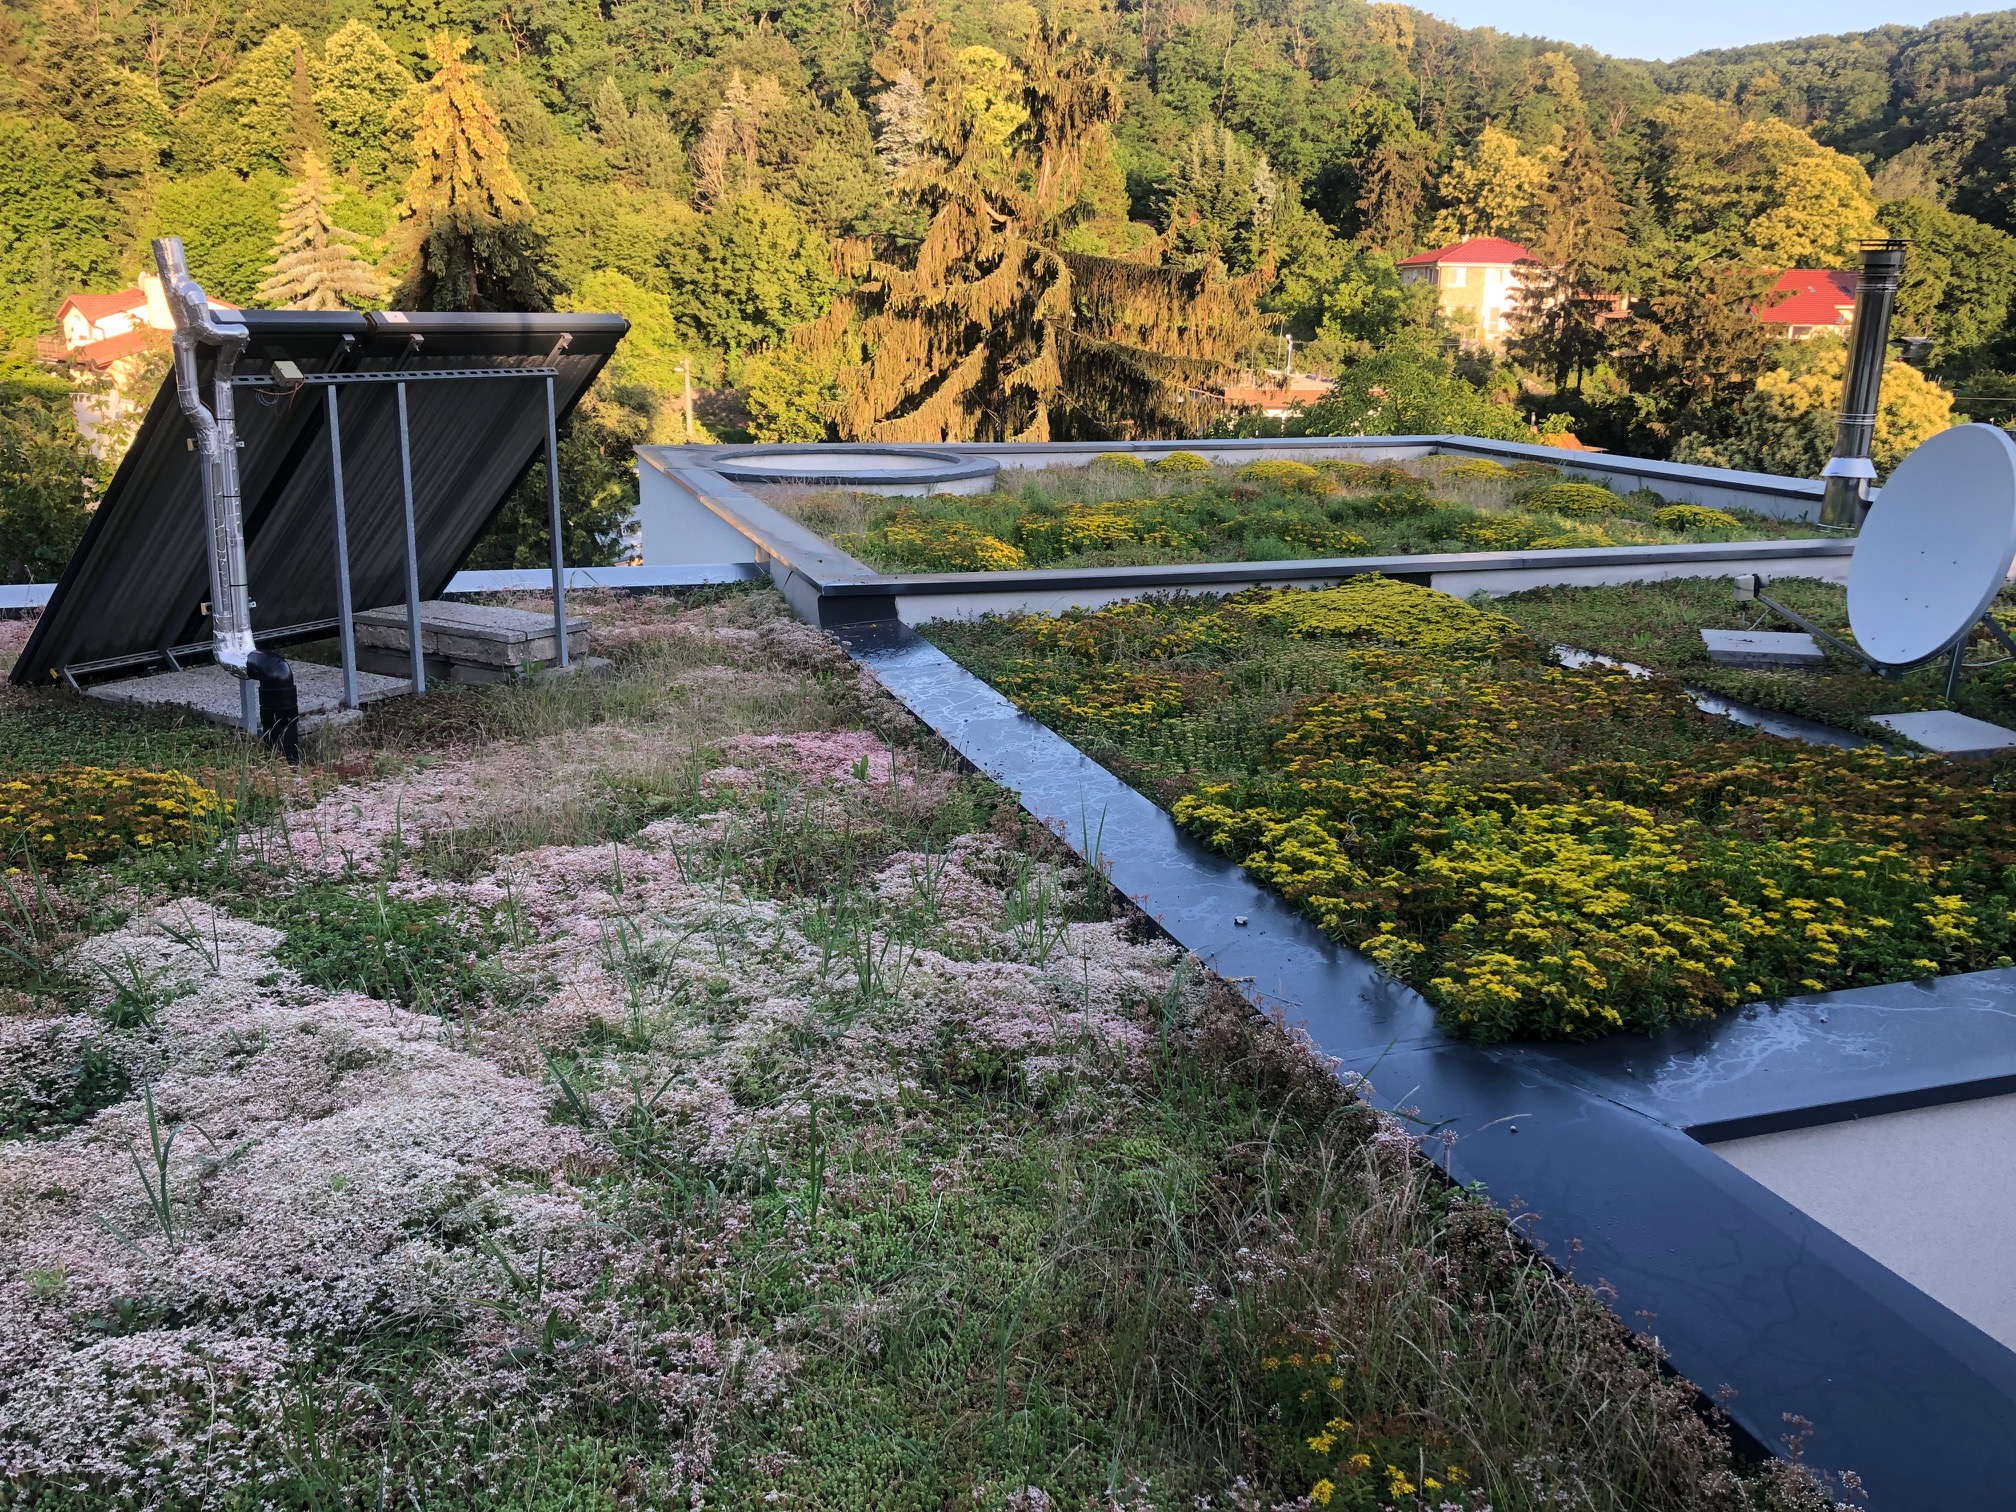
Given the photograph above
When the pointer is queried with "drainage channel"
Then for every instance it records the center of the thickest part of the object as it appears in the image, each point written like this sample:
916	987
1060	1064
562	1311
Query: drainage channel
1770	721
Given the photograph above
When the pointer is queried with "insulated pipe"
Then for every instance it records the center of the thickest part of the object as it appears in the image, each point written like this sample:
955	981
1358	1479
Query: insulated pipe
1849	473
197	324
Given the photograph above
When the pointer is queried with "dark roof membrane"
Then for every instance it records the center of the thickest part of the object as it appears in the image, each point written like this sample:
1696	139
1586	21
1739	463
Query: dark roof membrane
137	583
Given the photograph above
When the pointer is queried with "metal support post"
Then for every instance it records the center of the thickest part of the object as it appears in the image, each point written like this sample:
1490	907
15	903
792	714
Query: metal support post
346	628
1954	664
553	500
412	546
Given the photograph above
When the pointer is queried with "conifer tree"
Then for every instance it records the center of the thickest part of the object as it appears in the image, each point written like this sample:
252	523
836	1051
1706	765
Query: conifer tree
363	96
1579	235
315	263
991	331
468	239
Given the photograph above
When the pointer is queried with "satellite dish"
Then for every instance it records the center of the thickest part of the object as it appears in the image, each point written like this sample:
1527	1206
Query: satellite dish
1936	547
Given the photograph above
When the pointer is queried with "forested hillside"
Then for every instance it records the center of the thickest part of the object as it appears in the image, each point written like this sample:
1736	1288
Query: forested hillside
858	218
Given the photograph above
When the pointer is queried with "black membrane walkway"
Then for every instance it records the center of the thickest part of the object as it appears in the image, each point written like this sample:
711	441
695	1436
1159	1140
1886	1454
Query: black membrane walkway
1756	1303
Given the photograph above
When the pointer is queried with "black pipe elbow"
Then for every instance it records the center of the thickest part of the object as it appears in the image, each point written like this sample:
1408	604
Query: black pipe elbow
279	704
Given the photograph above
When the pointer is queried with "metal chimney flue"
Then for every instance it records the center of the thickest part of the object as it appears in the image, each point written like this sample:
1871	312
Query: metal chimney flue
1850	473
197	324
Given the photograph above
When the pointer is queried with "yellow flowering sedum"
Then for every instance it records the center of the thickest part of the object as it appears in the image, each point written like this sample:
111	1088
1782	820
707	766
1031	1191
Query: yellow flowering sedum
1543	851
87	813
1388	612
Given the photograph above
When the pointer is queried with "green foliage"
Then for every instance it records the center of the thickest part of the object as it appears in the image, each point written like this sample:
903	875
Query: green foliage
790	392
1573	500
417	953
55	228
48	481
228	226
1182	462
1401	394
598	488
1787	424
748	272
1691	517
1959	282
367	101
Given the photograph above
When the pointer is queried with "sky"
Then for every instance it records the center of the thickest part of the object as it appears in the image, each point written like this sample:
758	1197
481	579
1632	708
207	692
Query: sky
1672	28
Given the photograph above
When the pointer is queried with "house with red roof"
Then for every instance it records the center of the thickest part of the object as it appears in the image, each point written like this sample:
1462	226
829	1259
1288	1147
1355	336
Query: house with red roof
1807	301
111	343
1478	283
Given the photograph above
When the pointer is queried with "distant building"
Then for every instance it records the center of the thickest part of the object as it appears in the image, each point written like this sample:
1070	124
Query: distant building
108	341
1277	394
1807	301
1478	280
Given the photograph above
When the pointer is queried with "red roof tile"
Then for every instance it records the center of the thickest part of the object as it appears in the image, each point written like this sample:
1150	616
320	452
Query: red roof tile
102	354
1811	296
1479	249
95	307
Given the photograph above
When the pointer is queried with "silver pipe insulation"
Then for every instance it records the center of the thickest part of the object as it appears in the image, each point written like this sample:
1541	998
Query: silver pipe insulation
216	427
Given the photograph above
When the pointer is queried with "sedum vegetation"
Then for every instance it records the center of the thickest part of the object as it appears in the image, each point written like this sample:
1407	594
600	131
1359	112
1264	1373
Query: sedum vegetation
1546	852
686	1086
1659	625
1122	514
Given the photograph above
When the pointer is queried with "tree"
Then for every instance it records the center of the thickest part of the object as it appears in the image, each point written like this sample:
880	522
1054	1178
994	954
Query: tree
1817	205
598	489
469	242
990	330
903	118
227	224
726	159
119	119
1222	203
1491	189
315	265
1393	183
54	225
642	144
1693	350
1959	283
1579	233
1786	425
366	101
746	273
46	480
1410	394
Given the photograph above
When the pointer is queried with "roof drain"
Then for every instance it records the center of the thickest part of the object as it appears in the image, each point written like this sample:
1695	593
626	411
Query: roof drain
271	711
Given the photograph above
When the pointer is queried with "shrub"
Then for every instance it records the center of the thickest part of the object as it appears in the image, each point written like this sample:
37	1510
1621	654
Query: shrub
87	813
1533	470
1478	468
1381	475
1693	517
1292	477
1385	611
1182	462
1571	500
925	544
1120	462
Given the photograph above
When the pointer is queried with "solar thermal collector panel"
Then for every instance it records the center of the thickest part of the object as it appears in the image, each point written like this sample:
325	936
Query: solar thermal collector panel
135	587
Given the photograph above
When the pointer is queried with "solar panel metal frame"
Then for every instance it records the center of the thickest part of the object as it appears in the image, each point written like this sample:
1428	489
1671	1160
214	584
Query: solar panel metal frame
133	592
